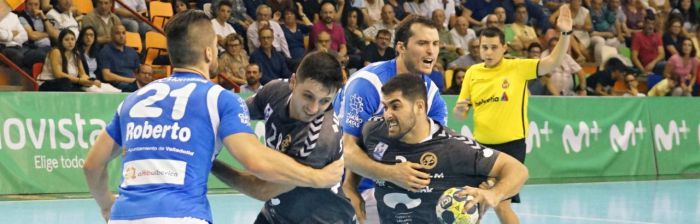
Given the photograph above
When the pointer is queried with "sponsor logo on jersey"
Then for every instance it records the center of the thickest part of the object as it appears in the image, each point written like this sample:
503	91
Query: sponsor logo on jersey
356	107
379	150
285	143
491	99
429	160
154	171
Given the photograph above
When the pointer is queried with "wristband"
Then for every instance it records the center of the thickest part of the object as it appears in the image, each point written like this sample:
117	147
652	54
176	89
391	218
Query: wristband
567	33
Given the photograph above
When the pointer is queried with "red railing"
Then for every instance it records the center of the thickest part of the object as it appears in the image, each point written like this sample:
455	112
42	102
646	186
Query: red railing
17	69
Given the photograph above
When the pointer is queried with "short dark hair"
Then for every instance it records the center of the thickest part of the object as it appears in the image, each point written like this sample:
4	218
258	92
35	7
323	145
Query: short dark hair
183	47
534	45
226	3
322	67
493	32
383	32
412	87
615	64
403	29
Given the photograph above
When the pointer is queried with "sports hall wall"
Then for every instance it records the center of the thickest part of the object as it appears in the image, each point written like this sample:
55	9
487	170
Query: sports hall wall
44	138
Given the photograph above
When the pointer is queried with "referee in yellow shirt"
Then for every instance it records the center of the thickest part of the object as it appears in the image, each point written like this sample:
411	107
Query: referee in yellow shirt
497	89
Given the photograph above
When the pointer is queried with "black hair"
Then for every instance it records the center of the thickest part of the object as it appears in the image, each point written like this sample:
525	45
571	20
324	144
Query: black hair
412	87
182	47
63	50
403	29
322	67
94	49
493	32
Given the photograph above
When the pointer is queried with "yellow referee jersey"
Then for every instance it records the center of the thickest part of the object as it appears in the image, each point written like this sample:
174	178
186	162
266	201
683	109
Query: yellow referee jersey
499	99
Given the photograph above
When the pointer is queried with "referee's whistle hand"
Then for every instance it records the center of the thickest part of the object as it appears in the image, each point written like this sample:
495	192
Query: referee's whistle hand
407	175
461	109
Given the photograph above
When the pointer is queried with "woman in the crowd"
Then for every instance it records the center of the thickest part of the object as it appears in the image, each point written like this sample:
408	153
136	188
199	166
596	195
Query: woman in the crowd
63	70
457	78
682	68
234	60
87	50
353	23
294	32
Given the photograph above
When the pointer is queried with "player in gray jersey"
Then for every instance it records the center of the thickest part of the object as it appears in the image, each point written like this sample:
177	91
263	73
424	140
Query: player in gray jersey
405	133
300	123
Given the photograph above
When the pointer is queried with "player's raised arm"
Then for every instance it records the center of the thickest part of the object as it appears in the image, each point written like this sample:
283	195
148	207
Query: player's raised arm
247	183
273	166
564	23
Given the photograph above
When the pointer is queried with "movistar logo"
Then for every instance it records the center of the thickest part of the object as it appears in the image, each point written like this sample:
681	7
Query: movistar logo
575	142
620	141
535	135
664	140
487	100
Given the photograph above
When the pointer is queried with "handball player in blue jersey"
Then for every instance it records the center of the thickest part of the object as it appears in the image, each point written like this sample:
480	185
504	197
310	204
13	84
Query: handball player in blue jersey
169	132
299	122
417	46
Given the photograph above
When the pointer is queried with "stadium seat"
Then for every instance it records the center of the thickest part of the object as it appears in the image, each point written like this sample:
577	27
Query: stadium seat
448	78
83	6
160	13
133	40
156	45
36	69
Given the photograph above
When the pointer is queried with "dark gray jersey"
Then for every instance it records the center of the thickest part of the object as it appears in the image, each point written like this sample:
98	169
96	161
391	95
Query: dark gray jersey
452	161
316	144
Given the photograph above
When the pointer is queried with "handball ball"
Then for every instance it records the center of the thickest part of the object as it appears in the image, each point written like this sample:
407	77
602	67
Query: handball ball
450	208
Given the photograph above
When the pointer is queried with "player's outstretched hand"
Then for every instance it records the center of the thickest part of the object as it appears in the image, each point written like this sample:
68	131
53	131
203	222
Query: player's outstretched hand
462	108
331	174
487	198
407	175
564	22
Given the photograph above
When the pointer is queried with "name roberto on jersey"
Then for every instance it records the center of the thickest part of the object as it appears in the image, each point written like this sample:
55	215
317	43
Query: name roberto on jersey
158	131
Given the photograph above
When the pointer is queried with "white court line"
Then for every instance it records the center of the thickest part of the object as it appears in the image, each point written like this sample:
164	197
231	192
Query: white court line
586	218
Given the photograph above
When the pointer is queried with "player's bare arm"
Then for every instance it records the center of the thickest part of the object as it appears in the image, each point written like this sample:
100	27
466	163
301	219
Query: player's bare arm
352	180
510	176
552	61
247	183
273	166
406	175
95	169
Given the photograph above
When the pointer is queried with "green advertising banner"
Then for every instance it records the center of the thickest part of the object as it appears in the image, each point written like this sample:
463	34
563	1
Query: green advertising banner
44	138
675	128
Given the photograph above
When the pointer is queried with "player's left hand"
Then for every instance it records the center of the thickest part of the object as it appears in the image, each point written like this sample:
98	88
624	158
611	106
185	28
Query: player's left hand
564	22
487	198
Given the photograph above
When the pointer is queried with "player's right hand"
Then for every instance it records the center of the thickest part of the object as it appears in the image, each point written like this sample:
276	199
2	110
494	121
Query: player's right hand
407	175
358	204
462	108
330	175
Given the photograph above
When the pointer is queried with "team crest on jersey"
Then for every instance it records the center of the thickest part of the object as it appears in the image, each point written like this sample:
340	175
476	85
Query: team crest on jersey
505	84
268	111
429	160
285	143
379	150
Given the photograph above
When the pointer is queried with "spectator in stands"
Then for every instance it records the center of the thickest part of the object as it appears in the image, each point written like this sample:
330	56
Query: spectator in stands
447	6
181	6
397	9
537	17
673	37
62	16
271	62
682	68
524	35
663	88
87	50
131	21
327	23
420	7
467	60
561	81
102	20
311	8
688	13
388	22
602	82
252	8
380	49
582	28
233	61
353	25
12	37
635	14
631	85
220	24
448	49
457	78
615	6
39	32
647	48
143	75
295	33
604	36
323	43
264	15
492	21
462	34
278	6
252	75
478	9
239	13
542	84
63	70
371	11
117	61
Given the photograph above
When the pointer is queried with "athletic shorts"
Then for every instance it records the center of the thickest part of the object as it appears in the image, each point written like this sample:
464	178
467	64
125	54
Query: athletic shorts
160	220
516	149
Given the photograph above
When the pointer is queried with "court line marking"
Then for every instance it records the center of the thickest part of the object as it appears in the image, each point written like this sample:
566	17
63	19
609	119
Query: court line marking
586	218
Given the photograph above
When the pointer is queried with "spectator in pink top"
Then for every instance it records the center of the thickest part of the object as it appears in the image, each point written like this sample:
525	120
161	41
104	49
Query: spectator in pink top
327	23
682	68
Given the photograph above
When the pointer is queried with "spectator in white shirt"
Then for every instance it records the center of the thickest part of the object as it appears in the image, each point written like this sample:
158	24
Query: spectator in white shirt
220	24
62	17
462	34
129	20
12	36
388	22
264	15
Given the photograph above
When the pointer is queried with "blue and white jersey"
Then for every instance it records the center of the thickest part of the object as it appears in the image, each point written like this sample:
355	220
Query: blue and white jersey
170	131
361	98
